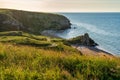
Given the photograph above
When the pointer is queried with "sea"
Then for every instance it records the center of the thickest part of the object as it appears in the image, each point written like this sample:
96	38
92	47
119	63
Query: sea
104	28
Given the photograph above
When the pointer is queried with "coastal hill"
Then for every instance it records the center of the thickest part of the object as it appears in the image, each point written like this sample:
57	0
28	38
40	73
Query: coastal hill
34	22
25	54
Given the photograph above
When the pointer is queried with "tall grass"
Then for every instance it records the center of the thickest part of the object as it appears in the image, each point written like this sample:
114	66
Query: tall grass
31	63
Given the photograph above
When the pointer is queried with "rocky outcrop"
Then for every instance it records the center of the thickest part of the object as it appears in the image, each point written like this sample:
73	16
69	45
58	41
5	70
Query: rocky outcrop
34	22
83	40
86	40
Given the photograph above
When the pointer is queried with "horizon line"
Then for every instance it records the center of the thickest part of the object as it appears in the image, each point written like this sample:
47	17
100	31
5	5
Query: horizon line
64	11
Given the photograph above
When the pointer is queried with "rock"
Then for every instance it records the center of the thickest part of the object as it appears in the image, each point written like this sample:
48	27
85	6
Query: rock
86	40
74	27
83	40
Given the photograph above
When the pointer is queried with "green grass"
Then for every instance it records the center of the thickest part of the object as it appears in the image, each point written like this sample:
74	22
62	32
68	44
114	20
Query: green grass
21	38
26	56
30	63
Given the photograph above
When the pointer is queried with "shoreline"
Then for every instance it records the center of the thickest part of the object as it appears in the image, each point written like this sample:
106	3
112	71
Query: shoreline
99	47
86	50
93	51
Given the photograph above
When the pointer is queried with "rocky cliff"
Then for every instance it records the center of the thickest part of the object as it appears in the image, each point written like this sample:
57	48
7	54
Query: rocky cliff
35	22
83	40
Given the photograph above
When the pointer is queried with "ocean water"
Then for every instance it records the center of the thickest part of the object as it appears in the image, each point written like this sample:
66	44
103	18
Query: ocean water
104	28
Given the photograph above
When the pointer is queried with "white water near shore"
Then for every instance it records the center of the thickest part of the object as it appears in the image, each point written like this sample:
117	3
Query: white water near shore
103	28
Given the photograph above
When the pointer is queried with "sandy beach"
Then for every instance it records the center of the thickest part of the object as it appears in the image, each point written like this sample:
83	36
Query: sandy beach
85	50
93	51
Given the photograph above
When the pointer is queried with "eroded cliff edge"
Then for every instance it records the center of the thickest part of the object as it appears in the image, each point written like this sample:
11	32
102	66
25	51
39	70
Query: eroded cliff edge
34	22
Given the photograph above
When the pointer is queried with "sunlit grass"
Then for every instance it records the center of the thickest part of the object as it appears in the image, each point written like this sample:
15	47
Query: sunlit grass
22	57
30	63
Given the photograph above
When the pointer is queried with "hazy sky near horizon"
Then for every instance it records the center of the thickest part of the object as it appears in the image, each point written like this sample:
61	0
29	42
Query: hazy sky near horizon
63	5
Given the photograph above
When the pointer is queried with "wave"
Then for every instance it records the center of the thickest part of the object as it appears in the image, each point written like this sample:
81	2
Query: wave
94	29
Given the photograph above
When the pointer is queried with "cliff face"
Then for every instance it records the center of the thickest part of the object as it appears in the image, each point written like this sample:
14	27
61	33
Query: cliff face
8	23
34	22
83	40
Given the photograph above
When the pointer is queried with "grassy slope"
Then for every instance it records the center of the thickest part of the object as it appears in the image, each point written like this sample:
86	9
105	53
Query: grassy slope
29	60
21	38
34	22
26	56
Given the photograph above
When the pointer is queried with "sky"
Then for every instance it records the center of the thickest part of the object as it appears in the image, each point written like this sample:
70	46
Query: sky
63	5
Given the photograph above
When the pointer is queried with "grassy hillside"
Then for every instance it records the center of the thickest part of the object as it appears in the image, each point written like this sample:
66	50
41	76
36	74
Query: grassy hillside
26	56
21	38
34	22
30	63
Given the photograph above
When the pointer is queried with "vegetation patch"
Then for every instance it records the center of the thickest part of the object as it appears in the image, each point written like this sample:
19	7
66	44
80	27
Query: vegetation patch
33	22
30	63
